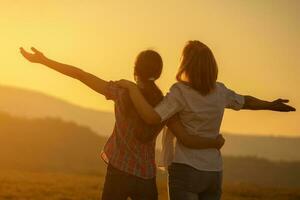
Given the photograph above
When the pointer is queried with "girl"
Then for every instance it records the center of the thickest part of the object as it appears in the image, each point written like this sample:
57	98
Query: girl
199	101
130	150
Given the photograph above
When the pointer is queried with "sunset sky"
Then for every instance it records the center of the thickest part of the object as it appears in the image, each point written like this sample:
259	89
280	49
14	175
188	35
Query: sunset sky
256	44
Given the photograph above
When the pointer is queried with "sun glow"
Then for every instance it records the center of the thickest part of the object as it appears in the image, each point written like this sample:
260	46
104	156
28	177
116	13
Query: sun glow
256	44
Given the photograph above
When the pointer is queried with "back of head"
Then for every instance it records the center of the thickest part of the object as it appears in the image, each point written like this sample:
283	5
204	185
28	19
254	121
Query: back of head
148	68
198	67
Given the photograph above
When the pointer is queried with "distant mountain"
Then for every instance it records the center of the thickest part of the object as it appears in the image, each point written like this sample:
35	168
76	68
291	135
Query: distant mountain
48	144
54	145
31	104
274	148
262	172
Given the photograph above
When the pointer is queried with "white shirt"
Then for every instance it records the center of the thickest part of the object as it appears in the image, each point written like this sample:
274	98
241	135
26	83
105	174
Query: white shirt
201	115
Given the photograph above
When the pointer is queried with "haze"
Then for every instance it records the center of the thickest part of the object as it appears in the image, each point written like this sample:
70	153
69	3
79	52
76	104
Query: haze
256	44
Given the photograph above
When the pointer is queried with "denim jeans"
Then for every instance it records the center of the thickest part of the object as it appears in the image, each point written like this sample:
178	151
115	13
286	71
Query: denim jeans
120	185
188	183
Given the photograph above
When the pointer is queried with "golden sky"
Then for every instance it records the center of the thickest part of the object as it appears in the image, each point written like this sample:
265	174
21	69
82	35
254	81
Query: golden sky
256	44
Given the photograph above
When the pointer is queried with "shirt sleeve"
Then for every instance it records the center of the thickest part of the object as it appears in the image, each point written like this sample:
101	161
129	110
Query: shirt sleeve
233	100
112	91
171	104
119	95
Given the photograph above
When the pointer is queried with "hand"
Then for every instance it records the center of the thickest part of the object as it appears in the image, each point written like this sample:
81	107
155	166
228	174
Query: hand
36	57
281	106
220	141
126	84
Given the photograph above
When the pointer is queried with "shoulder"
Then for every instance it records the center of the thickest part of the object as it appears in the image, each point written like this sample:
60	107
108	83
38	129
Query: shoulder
114	92
178	92
221	87
224	89
178	88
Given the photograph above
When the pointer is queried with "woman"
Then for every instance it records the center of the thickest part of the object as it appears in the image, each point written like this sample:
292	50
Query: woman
199	100
130	150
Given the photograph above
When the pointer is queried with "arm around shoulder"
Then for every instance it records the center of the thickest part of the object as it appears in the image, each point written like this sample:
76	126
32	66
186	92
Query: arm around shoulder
144	109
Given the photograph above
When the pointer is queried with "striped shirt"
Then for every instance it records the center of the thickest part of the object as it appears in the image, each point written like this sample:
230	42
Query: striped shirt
123	150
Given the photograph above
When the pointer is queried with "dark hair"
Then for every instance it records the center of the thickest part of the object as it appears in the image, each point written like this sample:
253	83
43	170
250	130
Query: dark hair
148	68
199	67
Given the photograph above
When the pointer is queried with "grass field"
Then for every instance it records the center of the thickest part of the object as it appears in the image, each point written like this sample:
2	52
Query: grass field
59	186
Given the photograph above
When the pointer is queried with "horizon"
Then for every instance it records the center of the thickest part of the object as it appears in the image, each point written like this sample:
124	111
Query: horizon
283	135
256	45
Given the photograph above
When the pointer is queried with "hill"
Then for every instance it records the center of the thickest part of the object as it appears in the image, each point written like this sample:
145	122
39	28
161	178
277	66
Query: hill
273	148
30	104
54	145
49	145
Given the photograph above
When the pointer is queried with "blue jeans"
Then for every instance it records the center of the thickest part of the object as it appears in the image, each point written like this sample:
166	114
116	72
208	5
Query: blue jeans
119	185
188	183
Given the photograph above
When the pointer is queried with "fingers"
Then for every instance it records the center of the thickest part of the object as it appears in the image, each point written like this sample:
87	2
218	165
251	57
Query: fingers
119	82
285	108
290	108
28	56
221	141
125	84
281	106
34	50
283	100
23	52
220	136
122	83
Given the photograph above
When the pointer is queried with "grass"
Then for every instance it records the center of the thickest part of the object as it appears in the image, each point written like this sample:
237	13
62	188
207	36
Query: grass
21	185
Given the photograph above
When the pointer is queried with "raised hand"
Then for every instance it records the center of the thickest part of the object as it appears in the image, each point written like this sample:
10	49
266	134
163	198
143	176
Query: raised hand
35	57
281	106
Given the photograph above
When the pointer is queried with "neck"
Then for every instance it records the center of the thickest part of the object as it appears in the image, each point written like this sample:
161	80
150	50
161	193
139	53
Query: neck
140	83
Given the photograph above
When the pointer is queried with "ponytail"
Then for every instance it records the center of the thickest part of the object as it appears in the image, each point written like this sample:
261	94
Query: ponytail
151	92
148	68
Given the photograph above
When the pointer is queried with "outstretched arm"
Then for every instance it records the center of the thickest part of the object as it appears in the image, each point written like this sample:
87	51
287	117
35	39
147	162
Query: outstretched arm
193	141
252	103
88	79
149	115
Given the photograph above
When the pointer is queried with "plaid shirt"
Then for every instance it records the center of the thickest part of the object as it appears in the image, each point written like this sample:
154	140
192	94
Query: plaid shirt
123	150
